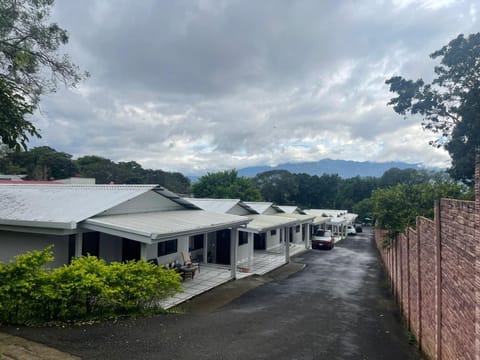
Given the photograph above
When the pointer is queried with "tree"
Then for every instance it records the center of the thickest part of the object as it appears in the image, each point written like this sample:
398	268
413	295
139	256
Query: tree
29	65
226	184
395	208
449	105
45	163
278	186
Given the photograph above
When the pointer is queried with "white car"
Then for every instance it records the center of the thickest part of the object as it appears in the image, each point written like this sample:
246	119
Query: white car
351	230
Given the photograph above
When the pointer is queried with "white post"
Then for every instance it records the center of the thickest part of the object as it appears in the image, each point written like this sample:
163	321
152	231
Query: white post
205	248
307	236
78	244
233	252
287	246
143	251
250	248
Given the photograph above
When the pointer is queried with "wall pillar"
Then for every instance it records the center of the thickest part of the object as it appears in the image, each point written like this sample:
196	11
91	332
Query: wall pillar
287	246
143	251
233	252
438	281
78	244
205	248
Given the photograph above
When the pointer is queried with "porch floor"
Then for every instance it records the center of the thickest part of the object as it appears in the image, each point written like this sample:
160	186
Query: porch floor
213	275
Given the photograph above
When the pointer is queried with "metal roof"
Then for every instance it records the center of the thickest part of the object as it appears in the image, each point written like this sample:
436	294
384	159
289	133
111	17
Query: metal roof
300	217
220	206
291	209
262	222
261	207
63	206
163	225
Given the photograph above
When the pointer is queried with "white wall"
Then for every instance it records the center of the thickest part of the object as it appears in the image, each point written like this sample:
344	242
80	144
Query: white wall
16	243
182	245
149	201
273	241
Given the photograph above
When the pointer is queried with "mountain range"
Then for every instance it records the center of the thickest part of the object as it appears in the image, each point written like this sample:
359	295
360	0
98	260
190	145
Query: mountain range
344	168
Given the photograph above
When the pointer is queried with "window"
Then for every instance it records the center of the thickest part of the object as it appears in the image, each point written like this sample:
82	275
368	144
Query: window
167	247
273	232
196	242
297	228
242	238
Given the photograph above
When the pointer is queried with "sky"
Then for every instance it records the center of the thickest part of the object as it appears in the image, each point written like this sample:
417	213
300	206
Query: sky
199	86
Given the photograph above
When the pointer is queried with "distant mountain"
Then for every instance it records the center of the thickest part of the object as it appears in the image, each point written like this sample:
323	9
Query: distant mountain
344	168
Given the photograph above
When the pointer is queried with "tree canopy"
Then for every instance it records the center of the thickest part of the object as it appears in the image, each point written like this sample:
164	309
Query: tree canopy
30	65
449	104
226	185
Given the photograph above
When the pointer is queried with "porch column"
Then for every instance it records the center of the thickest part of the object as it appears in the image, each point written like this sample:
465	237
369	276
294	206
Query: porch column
143	251
307	236
287	246
233	252
250	247
78	244
205	248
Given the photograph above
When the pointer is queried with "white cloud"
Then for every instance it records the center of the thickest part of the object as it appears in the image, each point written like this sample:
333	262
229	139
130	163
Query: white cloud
197	86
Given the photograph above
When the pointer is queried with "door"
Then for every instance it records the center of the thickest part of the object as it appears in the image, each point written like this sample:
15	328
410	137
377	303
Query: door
130	250
259	241
223	247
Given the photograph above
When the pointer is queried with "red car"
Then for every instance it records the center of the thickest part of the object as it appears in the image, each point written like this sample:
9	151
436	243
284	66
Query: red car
323	239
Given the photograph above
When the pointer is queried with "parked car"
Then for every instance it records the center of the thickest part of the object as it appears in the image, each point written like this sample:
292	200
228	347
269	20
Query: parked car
351	230
323	239
358	228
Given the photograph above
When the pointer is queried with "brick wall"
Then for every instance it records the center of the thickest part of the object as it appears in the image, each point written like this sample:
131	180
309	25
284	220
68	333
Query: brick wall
435	276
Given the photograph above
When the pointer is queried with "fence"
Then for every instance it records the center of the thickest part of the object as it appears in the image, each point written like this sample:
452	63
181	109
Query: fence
435	277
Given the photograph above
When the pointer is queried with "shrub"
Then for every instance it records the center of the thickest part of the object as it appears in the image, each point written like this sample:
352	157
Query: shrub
85	289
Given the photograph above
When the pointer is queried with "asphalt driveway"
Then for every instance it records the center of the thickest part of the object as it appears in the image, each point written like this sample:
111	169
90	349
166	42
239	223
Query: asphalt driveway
336	307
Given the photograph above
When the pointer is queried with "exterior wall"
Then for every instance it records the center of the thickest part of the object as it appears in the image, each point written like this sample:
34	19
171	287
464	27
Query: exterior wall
16	243
182	245
297	236
272	241
150	201
435	279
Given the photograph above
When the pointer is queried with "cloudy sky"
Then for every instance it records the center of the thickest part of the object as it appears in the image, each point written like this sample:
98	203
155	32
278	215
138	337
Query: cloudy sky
207	85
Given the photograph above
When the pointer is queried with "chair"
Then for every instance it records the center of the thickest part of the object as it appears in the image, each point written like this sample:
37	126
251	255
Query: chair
187	260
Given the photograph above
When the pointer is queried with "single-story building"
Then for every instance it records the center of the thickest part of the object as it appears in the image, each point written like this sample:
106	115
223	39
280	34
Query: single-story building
113	222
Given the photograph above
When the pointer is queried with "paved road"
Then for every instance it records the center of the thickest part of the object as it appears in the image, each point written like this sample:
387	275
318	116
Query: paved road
338	307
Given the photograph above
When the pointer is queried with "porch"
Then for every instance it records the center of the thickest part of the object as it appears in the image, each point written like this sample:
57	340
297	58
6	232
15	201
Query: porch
213	275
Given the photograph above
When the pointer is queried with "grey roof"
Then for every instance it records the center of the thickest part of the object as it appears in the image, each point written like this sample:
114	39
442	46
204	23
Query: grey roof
262	222
261	207
302	218
291	209
163	225
220	206
63	206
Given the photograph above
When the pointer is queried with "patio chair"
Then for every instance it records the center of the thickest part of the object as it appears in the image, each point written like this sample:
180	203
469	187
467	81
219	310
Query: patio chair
187	260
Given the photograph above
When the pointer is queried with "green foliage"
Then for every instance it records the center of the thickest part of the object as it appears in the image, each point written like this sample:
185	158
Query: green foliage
226	184
396	208
30	65
87	288
15	129
449	105
44	163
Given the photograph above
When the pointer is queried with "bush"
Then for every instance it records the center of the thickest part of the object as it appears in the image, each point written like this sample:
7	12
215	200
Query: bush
87	288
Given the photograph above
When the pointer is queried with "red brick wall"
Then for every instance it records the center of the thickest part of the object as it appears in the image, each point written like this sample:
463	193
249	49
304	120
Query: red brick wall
435	281
428	326
413	283
457	279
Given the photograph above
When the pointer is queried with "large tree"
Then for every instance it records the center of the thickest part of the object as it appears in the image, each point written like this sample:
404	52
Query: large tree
226	184
30	65
449	104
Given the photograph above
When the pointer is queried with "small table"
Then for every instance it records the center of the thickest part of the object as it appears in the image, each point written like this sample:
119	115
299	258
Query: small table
188	271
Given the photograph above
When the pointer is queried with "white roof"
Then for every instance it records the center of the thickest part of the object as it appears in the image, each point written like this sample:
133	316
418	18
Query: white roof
302	218
63	206
290	209
261	207
219	206
163	225
261	222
